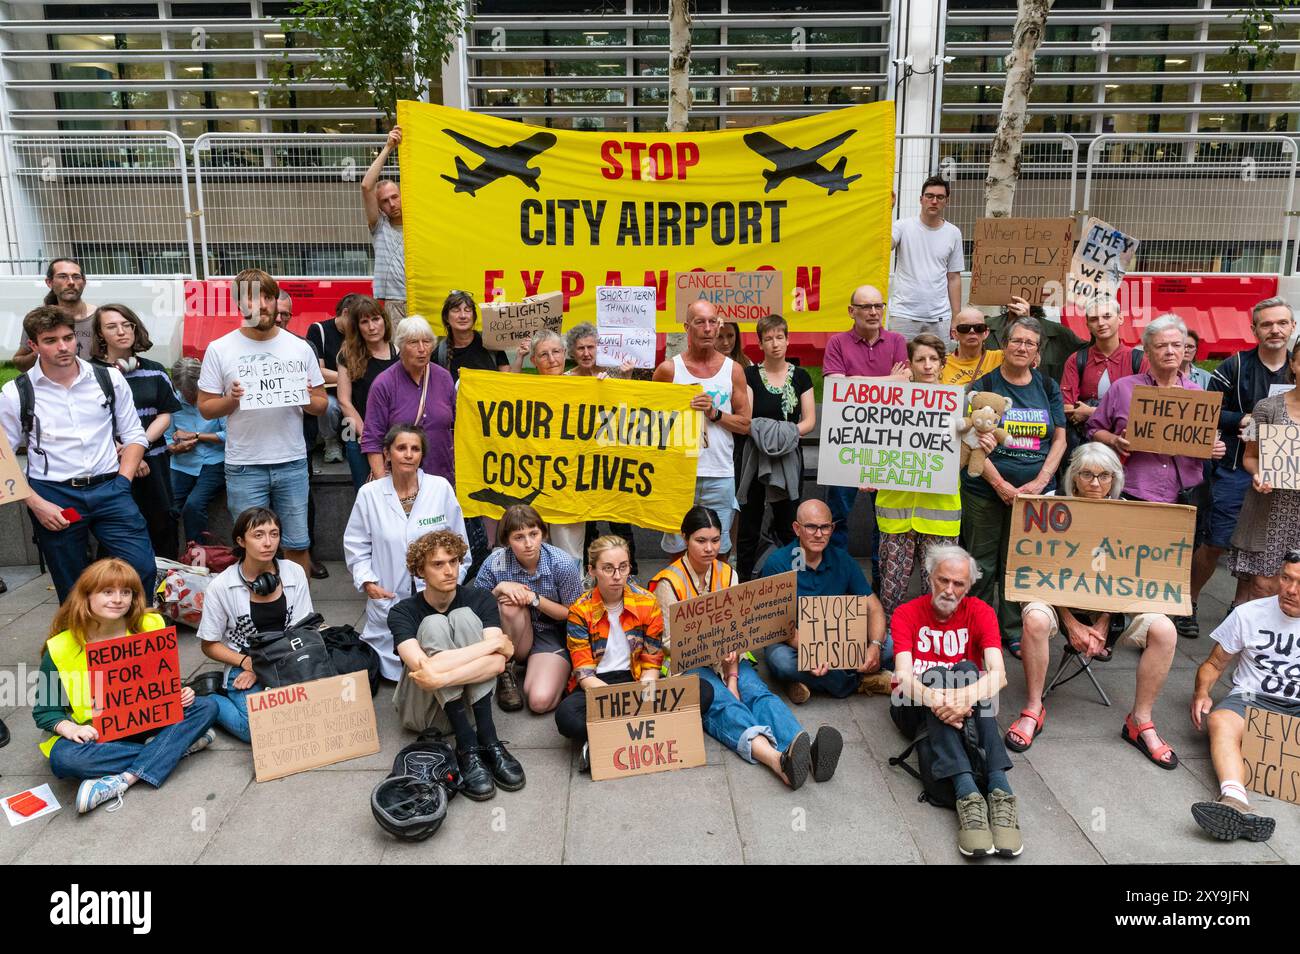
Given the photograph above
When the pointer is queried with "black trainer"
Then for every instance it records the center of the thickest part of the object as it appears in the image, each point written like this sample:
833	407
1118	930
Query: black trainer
507	771
475	776
796	761
1187	626
4	734
826	750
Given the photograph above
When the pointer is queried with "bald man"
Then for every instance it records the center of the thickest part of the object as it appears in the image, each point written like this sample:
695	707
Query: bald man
867	350
825	570
725	405
973	358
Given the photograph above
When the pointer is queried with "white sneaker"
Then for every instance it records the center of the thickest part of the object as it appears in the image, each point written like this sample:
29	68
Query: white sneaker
94	792
333	450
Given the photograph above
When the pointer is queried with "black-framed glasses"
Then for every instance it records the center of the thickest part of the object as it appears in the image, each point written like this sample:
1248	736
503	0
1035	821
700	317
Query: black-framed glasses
970	329
819	529
869	306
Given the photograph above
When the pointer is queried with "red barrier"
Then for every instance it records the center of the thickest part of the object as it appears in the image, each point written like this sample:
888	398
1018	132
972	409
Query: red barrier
210	312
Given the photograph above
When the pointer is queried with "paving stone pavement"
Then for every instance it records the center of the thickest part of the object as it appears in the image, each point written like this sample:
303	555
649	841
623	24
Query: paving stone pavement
1085	797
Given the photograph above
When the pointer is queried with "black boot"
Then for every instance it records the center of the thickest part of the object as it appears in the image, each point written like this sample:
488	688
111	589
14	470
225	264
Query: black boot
4	734
475	776
507	771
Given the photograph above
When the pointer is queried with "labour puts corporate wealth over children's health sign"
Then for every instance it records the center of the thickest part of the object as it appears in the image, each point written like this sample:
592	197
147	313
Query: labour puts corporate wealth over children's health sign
509	210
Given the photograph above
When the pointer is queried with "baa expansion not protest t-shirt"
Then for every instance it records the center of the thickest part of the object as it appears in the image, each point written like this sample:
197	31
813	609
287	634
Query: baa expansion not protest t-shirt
964	635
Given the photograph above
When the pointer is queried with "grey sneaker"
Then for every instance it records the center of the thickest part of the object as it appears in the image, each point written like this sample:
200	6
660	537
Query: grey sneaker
1005	822
1187	626
1228	819
973	836
94	792
202	742
333	450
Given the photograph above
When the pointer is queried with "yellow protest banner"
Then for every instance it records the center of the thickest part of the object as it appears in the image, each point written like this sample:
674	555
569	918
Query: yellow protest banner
576	448
508	210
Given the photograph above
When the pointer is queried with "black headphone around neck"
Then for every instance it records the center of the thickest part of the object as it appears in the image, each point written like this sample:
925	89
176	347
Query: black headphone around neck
265	584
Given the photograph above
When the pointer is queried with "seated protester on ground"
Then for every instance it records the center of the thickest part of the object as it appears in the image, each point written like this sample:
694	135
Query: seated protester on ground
1244	379
119	339
745	715
825	571
107	601
910	520
615	635
1095	473
784	410
261	593
948	667
366	353
534	583
972	359
1269	525
1159	478
1265	677
1025	463
450	640
198	449
388	516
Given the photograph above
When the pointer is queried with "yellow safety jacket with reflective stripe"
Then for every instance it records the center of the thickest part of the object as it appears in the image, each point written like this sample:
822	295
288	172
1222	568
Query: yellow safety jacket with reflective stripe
69	657
938	515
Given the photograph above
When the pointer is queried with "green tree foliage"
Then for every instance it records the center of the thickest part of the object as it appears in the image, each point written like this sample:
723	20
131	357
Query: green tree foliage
1258	46
388	49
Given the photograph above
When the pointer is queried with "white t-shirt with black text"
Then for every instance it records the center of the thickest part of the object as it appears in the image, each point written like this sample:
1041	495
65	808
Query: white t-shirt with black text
1269	645
918	288
271	435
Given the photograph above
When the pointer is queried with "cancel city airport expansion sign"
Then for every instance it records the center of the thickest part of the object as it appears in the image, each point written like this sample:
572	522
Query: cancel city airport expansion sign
1122	556
509	210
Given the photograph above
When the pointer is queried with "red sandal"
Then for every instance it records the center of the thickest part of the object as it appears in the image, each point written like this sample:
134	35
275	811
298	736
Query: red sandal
1039	719
1155	755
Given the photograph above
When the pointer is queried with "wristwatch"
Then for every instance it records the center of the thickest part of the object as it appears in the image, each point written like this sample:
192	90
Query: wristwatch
876	642
537	601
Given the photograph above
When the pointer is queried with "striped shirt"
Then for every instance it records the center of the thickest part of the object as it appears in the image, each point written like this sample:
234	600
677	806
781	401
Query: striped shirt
390	260
643	625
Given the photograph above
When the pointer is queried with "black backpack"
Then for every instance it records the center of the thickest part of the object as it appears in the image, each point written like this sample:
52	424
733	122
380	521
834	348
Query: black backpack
350	653
297	654
27	408
939	792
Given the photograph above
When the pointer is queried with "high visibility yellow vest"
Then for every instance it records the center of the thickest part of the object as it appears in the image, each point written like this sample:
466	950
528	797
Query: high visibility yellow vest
69	657
677	577
938	515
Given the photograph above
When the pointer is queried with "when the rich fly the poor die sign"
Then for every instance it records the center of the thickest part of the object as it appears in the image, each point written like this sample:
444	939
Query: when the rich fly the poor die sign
891	435
1122	556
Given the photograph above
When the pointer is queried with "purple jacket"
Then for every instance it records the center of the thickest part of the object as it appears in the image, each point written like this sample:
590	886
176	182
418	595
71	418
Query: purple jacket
1148	476
850	355
395	399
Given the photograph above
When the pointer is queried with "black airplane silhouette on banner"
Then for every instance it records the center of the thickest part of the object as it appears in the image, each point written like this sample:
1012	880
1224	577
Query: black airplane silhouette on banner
801	163
499	161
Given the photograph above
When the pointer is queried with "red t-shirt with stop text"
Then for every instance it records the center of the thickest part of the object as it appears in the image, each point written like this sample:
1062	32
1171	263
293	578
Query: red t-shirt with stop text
932	642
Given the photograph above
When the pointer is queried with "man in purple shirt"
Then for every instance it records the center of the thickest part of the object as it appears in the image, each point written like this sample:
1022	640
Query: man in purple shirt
867	350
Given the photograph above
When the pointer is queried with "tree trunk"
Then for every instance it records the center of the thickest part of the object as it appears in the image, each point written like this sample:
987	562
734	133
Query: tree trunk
1004	162
679	64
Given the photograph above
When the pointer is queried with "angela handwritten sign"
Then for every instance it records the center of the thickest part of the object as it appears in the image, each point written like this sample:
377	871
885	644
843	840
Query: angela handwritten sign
639	728
704	630
1122	556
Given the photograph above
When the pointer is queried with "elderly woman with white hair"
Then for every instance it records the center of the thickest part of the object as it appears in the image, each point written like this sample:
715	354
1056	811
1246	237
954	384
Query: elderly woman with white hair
584	345
413	391
1095	473
198	452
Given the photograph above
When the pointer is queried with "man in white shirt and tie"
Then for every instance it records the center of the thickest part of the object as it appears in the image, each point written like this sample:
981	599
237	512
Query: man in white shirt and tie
81	482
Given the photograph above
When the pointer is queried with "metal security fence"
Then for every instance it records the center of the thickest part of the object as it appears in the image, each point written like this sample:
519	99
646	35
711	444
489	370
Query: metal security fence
117	201
1199	203
289	203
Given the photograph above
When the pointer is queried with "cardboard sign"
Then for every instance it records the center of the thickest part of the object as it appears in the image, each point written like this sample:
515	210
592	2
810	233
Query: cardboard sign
832	632
13	485
272	382
1270	754
1279	455
636	728
506	325
704	630
310	724
1024	258
1104	255
136	681
1176	421
625	326
1123	556
891	435
738	296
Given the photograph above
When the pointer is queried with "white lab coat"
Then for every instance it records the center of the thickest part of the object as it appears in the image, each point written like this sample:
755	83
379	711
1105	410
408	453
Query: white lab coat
375	542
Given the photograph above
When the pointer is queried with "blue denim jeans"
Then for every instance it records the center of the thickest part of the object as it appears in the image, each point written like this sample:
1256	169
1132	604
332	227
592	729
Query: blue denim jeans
109	511
150	763
282	487
737	722
192	494
783	661
357	463
232	708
